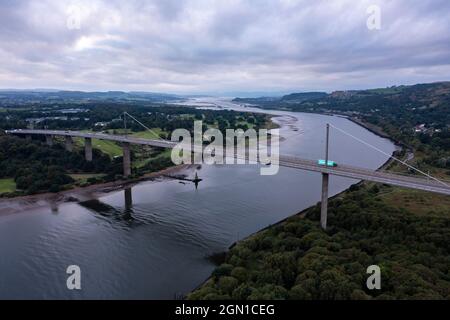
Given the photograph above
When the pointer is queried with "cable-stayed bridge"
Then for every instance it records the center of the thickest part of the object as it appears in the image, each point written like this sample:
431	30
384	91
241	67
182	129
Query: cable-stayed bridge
425	184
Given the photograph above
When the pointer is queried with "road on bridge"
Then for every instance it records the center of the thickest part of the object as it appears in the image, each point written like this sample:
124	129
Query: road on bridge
285	161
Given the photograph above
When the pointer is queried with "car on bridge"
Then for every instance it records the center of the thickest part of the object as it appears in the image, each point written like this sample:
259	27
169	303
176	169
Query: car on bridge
328	164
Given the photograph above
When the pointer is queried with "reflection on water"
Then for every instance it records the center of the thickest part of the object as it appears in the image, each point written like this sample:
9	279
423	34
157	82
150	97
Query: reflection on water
54	207
128	199
108	211
153	241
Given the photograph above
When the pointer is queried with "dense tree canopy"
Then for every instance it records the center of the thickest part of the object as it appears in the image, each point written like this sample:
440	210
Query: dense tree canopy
37	167
297	260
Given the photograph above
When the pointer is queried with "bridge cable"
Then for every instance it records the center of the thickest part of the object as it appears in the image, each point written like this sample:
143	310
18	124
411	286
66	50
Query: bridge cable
143	125
389	155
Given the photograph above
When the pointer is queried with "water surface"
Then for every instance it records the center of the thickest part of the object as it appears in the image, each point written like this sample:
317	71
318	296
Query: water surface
153	241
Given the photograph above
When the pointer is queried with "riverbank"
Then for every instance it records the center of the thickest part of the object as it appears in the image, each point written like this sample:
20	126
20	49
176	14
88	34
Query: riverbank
77	194
375	130
295	259
378	131
221	257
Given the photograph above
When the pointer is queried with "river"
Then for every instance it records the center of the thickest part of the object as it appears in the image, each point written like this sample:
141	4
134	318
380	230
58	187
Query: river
154	241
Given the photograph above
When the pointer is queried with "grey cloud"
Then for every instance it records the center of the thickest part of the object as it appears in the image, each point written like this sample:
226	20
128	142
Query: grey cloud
207	46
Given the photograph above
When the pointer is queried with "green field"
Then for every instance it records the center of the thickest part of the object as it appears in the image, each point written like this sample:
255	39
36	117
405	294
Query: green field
143	161
108	147
111	148
114	149
154	134
417	202
7	185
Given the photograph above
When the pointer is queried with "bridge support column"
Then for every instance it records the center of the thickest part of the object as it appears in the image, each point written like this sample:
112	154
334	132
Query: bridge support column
88	149
69	143
128	199
324	207
126	159
49	140
28	137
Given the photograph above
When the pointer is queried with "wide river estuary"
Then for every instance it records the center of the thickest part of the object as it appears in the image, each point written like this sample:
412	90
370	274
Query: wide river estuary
154	241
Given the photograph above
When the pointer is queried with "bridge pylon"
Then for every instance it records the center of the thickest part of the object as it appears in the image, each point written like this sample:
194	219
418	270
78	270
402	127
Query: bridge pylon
325	183
324	203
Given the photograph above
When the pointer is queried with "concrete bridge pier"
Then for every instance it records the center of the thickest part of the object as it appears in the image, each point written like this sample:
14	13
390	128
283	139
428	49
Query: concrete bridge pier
128	199
324	207
69	143
325	182
49	140
126	159
28	137
88	149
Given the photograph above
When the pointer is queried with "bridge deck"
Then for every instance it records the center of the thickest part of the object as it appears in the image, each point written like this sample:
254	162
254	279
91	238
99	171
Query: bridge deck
285	161
368	175
95	135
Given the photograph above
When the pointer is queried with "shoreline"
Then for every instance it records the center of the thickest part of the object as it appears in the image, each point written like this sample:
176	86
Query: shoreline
385	165
102	187
379	132
79	194
372	128
218	257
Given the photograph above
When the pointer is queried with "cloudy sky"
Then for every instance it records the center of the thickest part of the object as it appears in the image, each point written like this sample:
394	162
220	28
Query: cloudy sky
220	46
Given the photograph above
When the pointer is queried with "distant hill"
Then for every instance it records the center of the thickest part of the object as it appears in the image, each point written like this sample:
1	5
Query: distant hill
257	101
14	97
290	98
303	96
